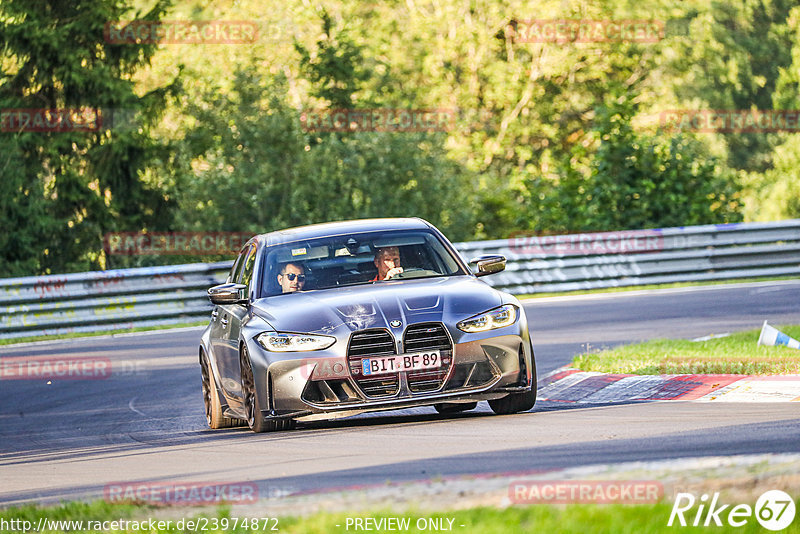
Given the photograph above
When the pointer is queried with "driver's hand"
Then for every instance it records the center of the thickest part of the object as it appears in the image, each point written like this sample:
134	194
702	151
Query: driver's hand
393	272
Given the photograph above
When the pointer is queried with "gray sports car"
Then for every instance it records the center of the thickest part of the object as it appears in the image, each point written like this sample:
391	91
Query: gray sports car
333	320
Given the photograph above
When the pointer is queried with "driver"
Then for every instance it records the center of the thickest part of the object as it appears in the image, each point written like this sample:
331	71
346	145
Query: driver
292	277
387	260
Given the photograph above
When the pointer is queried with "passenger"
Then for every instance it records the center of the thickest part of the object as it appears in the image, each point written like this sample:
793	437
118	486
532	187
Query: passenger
292	277
387	260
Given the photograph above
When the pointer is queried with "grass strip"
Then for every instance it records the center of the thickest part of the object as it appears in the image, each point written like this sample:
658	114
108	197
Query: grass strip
624	289
736	354
583	518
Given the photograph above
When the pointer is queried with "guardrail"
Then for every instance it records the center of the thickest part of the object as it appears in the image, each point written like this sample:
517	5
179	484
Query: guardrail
640	257
107	300
124	298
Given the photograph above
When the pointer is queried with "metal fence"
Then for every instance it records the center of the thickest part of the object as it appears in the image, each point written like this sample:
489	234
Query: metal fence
107	300
123	298
640	257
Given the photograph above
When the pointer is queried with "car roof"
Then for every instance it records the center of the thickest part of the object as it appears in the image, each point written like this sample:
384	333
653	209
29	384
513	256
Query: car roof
330	229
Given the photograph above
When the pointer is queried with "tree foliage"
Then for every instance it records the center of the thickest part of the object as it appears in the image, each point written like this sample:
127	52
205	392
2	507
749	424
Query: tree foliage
549	137
62	190
258	171
645	181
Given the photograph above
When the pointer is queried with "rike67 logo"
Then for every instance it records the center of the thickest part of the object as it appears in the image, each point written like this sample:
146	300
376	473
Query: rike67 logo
774	510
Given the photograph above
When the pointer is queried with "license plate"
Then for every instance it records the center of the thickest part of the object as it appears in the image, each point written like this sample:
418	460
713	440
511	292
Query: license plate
402	362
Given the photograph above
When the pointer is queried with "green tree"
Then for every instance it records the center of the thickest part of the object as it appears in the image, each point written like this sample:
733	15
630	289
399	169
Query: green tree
73	186
23	211
255	169
780	187
335	68
641	181
733	57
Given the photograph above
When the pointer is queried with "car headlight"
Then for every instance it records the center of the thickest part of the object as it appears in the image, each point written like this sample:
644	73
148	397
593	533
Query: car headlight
497	318
285	342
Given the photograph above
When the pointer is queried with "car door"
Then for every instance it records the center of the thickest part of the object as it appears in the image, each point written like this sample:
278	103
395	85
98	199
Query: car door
217	332
231	317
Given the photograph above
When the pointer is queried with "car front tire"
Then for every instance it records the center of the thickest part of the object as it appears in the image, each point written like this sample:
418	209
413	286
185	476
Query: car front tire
514	403
253	404
517	402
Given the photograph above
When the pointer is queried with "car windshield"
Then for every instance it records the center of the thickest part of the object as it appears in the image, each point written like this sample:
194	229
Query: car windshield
348	260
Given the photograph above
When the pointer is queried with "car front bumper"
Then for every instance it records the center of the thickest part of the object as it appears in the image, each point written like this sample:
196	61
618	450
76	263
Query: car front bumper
310	387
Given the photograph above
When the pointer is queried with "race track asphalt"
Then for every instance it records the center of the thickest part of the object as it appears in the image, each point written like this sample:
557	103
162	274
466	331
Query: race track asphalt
69	439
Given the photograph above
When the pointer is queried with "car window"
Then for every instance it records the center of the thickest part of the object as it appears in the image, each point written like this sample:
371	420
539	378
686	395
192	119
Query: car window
248	262
236	269
340	261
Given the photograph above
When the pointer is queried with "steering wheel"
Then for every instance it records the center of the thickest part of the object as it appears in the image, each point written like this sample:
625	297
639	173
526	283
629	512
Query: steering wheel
413	272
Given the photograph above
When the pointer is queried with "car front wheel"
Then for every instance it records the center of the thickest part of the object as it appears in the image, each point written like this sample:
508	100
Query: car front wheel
253	405
517	402
514	403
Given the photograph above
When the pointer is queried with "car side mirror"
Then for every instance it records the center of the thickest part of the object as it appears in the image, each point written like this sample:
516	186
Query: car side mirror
228	294
488	264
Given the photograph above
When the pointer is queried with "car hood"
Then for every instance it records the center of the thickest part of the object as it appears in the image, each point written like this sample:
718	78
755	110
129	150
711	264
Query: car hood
340	311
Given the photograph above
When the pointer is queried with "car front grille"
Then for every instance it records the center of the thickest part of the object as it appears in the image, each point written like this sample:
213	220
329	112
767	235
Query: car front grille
367	343
425	337
418	338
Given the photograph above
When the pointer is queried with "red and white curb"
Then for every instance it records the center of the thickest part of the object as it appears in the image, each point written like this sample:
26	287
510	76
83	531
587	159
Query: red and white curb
575	386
